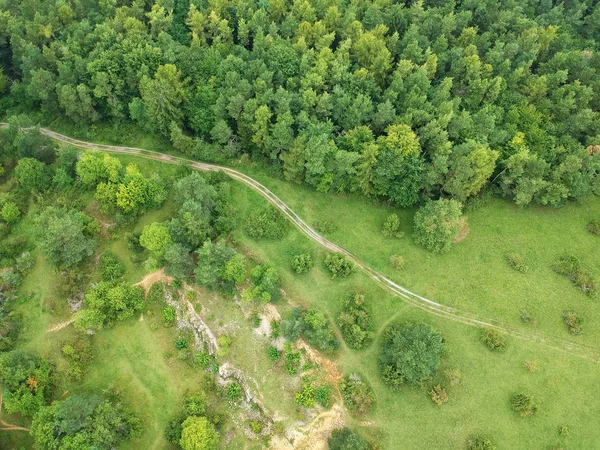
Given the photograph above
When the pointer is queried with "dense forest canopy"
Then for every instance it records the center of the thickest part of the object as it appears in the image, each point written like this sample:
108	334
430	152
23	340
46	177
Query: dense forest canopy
405	100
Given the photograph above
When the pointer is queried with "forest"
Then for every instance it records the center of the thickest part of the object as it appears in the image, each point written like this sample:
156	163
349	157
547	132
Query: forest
294	225
403	100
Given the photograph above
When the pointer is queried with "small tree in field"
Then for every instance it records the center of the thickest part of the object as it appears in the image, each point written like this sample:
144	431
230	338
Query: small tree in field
410	354
437	224
32	175
347	439
391	227
197	433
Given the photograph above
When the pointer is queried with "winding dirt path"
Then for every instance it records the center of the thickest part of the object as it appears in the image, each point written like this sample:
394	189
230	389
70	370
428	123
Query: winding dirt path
432	307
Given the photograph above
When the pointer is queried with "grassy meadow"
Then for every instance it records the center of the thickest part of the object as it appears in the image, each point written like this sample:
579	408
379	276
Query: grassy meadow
473	277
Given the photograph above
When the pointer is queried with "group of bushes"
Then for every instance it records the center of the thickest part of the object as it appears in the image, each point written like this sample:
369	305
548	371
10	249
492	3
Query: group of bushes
194	426
571	267
313	325
355	321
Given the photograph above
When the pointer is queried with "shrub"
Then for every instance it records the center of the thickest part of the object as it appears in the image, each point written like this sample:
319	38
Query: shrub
234	392
302	263
516	262
527	318
570	266
202	360
355	321
357	394
523	404
563	430
326	226
494	340
439	395
594	227
224	342
267	223
480	443
318	330
454	376
275	329
347	439
195	405
322	395
437	224
306	397
273	354
398	262
410	354
256	426
292	362
169	315
391	227
10	212
573	322
181	343
111	268
338	265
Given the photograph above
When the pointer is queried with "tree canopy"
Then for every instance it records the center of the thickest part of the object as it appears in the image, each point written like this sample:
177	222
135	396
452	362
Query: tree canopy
409	100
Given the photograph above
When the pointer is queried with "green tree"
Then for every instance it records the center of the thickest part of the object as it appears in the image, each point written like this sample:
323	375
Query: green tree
346	439
32	175
437	224
212	259
163	97
83	421
410	354
472	165
198	434
64	236
179	261
95	167
27	380
108	302
156	238
10	212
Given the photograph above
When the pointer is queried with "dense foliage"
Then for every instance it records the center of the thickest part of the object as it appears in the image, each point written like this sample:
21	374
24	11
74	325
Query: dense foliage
313	325
27	381
355	321
410	354
347	439
437	224
357	394
83	421
407	100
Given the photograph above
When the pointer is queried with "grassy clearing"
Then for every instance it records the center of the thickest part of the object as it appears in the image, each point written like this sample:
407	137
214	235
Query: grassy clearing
480	404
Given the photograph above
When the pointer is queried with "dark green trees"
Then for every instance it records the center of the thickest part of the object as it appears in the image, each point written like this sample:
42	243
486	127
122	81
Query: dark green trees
410	354
65	236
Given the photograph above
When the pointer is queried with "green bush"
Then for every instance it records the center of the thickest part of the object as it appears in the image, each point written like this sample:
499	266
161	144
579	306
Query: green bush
437	224
347	439
302	263
195	404
594	227
306	397
181	343
292	362
570	266
357	394
573	322
398	262
10	212
494	340
267	223
391	227
410	354
234	392
169	316
480	443
338	265
111	268
355	321
318	330
323	395
523	404
439	395
273	353
516	262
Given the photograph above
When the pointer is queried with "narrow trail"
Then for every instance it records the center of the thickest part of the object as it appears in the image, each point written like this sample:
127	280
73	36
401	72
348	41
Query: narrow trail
430	306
